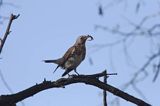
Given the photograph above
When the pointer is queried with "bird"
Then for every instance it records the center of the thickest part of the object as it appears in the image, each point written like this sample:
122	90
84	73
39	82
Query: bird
73	56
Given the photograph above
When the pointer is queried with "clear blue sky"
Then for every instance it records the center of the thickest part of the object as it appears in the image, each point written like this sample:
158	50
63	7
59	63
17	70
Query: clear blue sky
46	29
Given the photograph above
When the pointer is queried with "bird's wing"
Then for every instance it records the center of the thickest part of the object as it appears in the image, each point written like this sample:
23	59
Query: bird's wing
84	52
81	51
69	53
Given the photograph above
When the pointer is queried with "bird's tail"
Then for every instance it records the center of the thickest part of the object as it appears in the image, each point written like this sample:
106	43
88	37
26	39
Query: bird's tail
55	69
57	61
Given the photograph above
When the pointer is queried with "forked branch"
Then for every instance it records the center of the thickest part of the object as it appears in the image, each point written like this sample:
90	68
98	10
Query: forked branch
2	41
62	82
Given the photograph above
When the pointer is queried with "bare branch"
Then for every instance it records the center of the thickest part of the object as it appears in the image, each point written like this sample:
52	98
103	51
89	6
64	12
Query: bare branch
144	28
1	2
87	79
157	69
100	10
104	92
12	17
98	75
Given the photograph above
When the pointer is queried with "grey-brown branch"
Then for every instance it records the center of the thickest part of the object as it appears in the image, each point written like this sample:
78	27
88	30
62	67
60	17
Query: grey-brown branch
104	92
8	100
12	17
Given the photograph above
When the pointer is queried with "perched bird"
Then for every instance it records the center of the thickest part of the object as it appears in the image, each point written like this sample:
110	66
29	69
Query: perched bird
73	57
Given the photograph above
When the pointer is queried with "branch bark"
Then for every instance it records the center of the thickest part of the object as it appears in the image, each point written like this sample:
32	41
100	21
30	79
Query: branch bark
12	17
7	100
105	92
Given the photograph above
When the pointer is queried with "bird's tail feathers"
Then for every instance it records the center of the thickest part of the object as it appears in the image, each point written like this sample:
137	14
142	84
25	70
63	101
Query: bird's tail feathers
57	61
55	69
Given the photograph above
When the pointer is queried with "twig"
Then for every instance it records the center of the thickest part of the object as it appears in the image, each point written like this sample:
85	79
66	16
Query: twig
105	92
14	98
98	75
157	69
12	17
1	2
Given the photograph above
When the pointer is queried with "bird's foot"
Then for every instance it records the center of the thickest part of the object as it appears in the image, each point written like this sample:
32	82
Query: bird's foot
76	72
73	75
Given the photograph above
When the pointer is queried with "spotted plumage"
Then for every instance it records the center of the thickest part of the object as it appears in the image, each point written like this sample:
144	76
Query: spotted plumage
73	57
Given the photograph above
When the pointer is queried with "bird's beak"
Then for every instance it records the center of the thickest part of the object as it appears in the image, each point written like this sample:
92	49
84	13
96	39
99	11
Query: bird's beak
89	36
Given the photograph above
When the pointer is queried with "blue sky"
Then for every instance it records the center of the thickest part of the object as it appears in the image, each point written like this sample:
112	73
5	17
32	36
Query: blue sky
46	29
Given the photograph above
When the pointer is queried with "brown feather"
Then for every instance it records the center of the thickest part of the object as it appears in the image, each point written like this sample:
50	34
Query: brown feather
73	56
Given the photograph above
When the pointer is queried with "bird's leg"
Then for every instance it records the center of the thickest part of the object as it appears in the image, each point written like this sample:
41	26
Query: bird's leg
69	75
76	71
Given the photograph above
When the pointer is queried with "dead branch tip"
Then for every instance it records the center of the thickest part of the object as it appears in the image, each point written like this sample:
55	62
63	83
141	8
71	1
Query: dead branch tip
14	16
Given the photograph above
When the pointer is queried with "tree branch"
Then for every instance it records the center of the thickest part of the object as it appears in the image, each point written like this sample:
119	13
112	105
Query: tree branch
104	92
2	41
7	100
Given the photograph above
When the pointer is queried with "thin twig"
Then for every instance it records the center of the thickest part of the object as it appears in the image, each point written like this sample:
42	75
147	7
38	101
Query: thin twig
98	75
12	17
105	92
157	69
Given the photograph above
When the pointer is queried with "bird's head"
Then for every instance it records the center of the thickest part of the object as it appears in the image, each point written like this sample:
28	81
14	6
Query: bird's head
83	38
